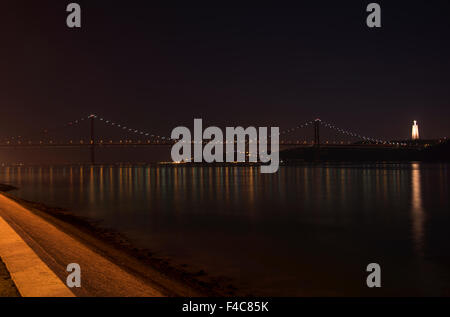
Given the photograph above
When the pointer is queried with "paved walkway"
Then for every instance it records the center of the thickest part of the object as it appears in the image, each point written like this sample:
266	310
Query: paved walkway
37	254
31	275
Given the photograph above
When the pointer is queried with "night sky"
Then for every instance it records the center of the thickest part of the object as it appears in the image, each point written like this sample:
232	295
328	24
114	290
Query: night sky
155	66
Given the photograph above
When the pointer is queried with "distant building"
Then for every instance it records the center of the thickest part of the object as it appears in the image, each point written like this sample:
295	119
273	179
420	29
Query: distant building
415	131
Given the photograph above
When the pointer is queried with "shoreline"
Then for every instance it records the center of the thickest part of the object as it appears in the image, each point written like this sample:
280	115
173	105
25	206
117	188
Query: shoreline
6	188
7	286
174	280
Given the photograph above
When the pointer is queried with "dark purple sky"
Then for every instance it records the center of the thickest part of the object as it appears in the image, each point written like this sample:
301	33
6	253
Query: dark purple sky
157	66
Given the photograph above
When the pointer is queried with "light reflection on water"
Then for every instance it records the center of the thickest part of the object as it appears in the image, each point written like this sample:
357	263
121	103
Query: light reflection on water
307	230
418	214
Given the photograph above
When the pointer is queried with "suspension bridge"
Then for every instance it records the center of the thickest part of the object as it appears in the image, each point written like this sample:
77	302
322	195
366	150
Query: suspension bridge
132	137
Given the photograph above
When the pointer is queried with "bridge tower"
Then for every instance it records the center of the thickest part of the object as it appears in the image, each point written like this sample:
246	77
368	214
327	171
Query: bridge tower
92	117
317	132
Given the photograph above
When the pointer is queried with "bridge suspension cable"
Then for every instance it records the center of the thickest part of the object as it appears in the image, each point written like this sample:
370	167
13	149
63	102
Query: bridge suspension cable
128	129
81	120
287	131
352	134
46	131
301	126
139	132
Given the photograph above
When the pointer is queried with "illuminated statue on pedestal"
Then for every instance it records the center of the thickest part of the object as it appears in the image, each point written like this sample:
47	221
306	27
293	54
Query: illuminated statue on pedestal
415	131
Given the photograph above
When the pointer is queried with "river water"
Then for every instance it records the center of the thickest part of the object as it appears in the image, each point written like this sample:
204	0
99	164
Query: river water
307	230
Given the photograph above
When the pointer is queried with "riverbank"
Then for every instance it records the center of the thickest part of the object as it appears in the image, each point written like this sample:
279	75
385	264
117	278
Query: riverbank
437	152
136	265
6	188
7	287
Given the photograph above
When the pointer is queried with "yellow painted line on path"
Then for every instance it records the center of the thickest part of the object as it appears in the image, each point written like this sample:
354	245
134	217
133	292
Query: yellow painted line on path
33	278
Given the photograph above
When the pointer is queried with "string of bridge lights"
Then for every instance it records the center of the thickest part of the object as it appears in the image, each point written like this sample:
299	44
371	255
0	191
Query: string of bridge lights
301	126
78	121
68	124
127	129
352	134
139	132
144	133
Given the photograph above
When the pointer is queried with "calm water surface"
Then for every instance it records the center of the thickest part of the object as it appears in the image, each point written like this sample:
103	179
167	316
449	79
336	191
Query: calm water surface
307	230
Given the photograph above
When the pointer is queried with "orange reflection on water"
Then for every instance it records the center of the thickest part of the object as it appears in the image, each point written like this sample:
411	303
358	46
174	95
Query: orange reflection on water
418	215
